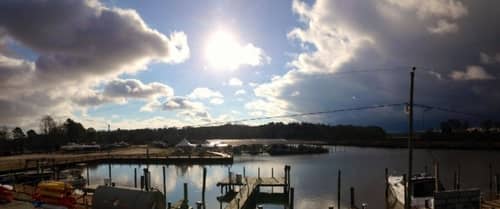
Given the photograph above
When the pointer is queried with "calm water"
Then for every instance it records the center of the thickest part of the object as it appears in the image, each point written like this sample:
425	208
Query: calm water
315	176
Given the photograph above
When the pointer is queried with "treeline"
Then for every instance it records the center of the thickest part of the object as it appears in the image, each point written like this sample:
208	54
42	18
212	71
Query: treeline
52	135
456	130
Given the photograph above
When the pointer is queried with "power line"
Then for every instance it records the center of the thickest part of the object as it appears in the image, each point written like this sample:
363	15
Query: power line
425	107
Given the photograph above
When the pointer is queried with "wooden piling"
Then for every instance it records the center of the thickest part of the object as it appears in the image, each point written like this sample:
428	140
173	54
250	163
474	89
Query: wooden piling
244	172
405	187
436	176
497	180
185	192
258	172
88	175
490	177
455	174
291	197
386	184
109	173
169	205
353	203
459	171
272	172
338	188
164	183
135	177
204	184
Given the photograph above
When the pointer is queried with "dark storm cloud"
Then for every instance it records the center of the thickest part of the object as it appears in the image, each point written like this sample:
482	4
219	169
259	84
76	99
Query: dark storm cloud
78	44
388	37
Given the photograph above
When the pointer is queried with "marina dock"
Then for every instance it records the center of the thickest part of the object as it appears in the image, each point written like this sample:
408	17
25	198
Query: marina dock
44	161
249	189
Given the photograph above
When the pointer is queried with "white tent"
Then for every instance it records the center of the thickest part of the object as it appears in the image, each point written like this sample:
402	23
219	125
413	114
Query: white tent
185	143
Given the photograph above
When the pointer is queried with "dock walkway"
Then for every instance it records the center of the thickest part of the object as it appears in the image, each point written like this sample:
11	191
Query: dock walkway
248	187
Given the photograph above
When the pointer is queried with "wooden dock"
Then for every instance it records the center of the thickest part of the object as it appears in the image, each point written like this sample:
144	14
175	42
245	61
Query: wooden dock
491	204
249	188
33	162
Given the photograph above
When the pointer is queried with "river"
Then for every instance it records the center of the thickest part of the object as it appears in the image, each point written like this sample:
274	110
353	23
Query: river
314	177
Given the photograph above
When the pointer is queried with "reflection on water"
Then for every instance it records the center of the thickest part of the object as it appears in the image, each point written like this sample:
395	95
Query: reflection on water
314	176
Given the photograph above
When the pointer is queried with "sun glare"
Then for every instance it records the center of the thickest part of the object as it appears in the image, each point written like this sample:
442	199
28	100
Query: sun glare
222	51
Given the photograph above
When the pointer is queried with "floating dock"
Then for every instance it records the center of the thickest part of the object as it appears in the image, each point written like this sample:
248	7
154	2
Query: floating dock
63	161
249	189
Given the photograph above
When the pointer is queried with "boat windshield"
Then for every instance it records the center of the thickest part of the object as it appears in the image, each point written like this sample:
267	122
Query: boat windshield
423	188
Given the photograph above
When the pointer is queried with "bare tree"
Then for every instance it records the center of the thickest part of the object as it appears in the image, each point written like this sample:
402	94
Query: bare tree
47	125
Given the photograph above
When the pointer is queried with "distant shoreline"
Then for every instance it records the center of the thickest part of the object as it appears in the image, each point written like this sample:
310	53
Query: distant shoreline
421	144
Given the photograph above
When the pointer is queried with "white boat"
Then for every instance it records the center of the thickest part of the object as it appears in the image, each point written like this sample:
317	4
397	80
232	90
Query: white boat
422	195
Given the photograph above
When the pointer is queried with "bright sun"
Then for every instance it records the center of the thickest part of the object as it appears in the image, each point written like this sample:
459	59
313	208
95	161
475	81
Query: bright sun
220	50
224	52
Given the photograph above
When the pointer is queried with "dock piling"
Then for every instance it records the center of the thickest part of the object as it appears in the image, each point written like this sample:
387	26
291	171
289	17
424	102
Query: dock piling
169	205
164	184
353	203
244	173
490	177
135	177
258	172
458	177
291	197
109	173
88	175
436	176
204	184
497	181
338	188
272	172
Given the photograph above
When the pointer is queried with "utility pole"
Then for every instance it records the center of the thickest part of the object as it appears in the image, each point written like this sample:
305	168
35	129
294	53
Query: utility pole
410	143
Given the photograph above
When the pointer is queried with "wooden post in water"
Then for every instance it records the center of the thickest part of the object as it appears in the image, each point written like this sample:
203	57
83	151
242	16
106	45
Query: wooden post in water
272	172
244	173
109	173
353	202
291	197
88	175
338	188
185	201
436	176
405	183
386	187
455	180
164	184
204	184
169	205
458	177
135	177
490	177
497	181
258	172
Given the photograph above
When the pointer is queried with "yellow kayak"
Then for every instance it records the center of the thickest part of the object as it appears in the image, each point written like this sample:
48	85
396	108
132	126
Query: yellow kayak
54	186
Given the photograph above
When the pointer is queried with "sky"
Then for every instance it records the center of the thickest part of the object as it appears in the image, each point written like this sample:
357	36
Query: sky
155	64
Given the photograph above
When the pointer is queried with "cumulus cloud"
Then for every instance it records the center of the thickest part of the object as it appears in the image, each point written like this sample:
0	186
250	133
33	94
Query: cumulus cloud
133	88
240	92
179	103
77	46
471	73
204	93
216	101
235	82
338	38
